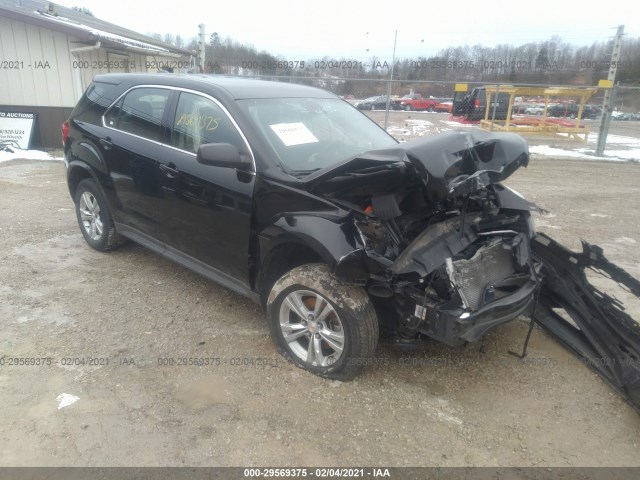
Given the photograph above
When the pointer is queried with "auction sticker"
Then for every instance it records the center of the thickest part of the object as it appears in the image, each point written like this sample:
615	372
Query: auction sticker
16	128
294	133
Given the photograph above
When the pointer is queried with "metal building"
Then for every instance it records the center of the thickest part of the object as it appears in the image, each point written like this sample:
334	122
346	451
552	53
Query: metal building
50	53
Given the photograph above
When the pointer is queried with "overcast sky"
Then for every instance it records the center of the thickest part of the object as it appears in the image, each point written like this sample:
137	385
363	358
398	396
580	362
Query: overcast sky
302	30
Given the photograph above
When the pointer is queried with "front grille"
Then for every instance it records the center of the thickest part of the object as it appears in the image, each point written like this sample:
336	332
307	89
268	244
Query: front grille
491	263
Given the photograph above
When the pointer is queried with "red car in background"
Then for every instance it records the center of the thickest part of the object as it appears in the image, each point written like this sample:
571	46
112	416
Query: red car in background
444	105
415	101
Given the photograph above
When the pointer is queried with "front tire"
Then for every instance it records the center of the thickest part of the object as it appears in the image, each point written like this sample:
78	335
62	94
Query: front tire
322	324
94	217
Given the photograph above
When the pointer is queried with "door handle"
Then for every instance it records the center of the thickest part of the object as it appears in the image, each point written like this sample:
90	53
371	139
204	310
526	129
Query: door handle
170	170
106	143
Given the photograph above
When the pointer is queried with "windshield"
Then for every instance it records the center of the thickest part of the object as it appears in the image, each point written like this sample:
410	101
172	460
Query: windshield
308	134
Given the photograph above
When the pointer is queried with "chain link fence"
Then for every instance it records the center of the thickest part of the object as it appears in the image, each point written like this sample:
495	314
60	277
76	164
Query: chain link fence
565	115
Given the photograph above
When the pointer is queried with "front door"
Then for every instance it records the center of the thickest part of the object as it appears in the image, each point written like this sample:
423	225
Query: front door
206	209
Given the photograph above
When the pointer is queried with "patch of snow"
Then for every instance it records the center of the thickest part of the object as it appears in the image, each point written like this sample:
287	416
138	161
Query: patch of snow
18	154
398	131
419	127
106	35
558	152
423	123
586	153
460	124
618	140
628	155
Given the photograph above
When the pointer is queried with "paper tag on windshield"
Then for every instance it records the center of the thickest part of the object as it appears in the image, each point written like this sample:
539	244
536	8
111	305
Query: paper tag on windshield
293	133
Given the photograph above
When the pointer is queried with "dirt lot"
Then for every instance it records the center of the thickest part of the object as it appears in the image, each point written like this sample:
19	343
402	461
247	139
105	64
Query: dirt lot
439	406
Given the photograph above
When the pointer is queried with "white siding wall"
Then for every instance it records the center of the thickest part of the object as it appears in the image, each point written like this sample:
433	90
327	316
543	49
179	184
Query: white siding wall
57	84
28	85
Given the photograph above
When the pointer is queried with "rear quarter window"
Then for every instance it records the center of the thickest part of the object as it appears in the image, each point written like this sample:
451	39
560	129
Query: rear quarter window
98	92
97	97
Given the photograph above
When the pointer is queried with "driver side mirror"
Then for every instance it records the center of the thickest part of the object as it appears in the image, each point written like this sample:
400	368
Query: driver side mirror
222	155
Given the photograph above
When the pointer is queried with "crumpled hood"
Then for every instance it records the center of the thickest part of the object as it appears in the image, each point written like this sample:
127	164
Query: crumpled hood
450	164
458	163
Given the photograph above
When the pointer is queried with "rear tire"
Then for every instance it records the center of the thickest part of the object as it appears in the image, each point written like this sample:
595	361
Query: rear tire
94	217
322	324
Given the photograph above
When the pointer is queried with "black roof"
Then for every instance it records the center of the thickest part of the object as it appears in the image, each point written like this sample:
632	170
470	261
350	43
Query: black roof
234	87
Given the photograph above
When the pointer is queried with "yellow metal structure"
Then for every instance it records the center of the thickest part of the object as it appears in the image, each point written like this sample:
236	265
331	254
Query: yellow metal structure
541	125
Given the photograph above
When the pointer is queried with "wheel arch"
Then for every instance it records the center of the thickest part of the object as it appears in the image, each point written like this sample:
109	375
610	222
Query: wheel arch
279	260
76	172
85	161
296	240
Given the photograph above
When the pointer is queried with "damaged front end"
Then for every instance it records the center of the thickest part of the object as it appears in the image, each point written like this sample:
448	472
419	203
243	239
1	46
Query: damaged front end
454	282
445	245
447	252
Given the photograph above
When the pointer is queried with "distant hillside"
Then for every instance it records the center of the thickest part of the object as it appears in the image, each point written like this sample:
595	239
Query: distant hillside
550	62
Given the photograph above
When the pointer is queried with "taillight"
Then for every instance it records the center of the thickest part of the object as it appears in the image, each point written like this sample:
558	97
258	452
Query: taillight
65	132
476	103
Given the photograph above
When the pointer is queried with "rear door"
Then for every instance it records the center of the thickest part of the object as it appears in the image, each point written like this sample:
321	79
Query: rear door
206	210
133	141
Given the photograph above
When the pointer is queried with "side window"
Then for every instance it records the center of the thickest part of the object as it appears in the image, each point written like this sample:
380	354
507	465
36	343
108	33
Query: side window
198	121
139	112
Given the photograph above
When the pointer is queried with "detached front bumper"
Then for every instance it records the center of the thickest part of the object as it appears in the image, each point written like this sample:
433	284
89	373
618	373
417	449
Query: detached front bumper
595	324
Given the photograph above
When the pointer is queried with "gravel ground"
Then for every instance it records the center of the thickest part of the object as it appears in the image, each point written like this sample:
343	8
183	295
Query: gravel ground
437	406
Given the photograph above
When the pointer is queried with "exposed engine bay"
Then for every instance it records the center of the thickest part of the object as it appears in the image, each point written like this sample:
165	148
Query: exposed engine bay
460	276
443	240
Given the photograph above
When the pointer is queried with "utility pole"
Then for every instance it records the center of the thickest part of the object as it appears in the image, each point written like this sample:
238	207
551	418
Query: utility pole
393	63
609	93
202	45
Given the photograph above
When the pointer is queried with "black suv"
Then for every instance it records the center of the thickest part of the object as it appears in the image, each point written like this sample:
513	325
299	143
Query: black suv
473	105
292	197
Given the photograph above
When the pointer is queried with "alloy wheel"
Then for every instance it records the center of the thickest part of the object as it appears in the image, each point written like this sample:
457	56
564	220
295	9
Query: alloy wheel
90	216
311	328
